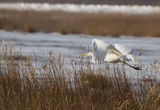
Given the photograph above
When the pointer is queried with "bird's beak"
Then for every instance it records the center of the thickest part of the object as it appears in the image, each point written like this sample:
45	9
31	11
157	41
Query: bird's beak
83	54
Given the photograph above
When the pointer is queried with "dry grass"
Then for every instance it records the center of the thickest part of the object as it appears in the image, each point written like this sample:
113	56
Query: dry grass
60	88
76	23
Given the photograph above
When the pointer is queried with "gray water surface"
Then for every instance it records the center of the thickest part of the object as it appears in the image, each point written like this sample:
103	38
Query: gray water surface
72	45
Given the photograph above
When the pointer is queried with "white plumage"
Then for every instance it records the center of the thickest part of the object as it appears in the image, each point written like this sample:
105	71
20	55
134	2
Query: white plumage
103	52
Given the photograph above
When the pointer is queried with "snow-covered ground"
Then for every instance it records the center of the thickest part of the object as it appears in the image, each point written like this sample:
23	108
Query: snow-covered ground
134	9
69	45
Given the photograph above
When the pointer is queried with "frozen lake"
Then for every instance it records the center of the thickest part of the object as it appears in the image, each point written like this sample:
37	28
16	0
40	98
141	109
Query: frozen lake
69	45
127	9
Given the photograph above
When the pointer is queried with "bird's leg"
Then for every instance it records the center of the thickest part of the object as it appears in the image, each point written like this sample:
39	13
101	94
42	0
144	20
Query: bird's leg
134	67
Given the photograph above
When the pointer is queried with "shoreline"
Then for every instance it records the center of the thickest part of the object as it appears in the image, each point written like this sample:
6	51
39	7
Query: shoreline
112	24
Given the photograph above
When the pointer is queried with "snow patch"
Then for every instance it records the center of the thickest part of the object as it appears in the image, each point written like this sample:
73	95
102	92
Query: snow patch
134	9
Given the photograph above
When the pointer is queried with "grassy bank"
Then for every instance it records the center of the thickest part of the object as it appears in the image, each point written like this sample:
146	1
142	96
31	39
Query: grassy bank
86	88
115	24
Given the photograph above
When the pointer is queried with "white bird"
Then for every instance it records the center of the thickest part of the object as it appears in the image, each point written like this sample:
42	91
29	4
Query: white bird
103	53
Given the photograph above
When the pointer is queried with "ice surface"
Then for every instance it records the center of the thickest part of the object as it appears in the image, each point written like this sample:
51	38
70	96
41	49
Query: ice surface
69	45
129	9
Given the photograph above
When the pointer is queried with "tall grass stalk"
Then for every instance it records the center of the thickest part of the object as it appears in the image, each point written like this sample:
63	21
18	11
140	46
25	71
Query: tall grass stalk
52	86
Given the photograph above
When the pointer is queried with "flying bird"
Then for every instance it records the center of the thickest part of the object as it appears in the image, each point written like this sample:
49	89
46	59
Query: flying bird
103	52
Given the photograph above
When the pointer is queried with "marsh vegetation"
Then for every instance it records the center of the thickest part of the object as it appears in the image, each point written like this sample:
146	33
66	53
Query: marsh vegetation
113	24
51	86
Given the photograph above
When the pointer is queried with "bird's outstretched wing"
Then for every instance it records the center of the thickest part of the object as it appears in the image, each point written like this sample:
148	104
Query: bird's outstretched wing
127	52
99	49
113	50
102	50
123	49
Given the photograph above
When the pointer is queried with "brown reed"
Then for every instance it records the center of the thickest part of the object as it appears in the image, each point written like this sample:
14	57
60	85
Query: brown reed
53	86
113	24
